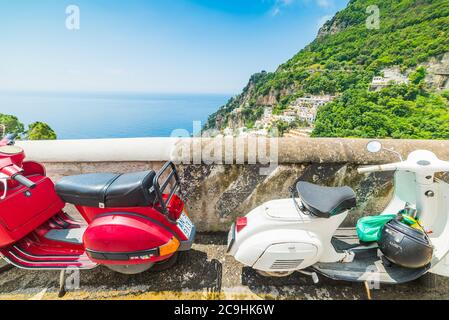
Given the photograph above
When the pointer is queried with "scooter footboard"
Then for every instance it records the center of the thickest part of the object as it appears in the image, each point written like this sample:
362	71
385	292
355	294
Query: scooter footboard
279	250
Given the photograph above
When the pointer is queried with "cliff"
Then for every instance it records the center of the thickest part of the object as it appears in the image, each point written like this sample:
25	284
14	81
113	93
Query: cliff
344	58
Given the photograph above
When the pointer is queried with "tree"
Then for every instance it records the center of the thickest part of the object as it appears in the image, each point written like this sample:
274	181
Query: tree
398	111
445	94
418	76
281	126
11	123
40	131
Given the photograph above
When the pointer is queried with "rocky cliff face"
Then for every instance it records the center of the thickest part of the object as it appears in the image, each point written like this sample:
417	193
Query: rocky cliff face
332	27
438	72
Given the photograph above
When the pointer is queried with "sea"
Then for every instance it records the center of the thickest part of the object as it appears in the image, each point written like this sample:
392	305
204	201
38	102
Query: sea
112	115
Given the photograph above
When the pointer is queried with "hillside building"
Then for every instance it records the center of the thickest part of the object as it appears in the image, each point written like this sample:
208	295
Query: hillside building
392	75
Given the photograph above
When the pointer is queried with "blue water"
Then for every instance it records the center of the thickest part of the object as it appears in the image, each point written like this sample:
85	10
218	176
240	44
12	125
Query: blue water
87	116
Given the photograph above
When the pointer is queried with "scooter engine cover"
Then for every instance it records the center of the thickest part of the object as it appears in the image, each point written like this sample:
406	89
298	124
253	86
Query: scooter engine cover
287	257
124	239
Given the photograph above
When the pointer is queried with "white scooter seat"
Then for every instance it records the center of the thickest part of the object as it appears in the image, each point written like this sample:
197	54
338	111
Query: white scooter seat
325	202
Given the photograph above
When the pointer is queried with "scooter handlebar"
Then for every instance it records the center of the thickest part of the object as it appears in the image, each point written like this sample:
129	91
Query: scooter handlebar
24	181
8	139
379	168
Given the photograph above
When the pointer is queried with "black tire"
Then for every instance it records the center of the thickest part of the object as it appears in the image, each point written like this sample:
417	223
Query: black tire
166	264
5	266
130	269
274	274
429	281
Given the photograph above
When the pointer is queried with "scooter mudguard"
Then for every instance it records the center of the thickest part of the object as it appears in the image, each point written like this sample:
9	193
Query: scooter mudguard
13	153
124	239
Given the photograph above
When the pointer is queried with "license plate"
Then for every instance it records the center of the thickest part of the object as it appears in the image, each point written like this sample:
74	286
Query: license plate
231	237
186	225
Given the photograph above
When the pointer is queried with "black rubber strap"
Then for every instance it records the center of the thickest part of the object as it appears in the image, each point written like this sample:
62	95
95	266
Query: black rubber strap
106	187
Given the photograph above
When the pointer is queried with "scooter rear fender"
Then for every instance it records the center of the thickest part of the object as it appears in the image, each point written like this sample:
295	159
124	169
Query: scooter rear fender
125	239
90	214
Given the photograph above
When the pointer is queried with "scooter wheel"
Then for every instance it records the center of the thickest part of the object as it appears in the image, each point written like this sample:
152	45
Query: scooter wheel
5	266
166	264
274	274
131	268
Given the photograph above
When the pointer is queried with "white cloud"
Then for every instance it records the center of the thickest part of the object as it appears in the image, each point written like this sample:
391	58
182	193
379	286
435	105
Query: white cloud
321	21
325	3
279	5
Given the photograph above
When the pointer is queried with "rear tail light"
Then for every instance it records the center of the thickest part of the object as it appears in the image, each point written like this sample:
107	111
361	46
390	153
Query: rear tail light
241	223
169	248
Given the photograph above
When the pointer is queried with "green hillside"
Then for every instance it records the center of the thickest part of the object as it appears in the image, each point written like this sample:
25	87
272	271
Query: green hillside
343	60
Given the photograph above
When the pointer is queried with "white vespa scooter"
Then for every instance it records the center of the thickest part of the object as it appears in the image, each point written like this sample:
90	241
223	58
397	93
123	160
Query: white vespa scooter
302	234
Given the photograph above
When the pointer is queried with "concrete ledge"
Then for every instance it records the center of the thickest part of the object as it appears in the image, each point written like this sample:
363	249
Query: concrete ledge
99	150
189	150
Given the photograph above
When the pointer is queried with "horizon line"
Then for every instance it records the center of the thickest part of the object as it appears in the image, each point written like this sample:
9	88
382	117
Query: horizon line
124	92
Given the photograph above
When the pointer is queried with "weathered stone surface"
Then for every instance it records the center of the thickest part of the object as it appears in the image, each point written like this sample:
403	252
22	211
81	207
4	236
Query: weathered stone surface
290	150
303	150
220	193
216	194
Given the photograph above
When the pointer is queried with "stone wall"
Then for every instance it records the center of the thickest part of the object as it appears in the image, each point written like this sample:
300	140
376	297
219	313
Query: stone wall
217	193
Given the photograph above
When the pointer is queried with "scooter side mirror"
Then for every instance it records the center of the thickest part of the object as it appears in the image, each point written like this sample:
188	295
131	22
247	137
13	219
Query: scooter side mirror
374	146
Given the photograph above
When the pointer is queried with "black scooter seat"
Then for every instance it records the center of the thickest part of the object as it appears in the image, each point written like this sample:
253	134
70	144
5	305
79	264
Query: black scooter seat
108	190
325	202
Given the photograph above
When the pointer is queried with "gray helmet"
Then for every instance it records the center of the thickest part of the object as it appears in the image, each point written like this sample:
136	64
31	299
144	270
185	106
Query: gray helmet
405	246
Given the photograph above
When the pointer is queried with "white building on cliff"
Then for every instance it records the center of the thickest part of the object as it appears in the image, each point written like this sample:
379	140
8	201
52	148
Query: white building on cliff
391	75
307	107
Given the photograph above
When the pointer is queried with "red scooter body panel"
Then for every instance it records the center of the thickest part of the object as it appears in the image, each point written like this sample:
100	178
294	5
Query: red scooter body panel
176	207
128	234
32	168
151	213
23	210
15	154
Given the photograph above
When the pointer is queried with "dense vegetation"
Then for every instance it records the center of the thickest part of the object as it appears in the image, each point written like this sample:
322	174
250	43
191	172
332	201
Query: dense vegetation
10	124
401	111
343	60
40	131
36	130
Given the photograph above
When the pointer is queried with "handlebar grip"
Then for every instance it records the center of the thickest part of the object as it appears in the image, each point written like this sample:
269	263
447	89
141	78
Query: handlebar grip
9	139
379	168
24	181
367	170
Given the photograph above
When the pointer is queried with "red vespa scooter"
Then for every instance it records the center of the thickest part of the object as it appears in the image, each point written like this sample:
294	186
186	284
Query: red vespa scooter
130	225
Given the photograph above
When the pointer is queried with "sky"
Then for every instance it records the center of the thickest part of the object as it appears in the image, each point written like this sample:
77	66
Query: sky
152	46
